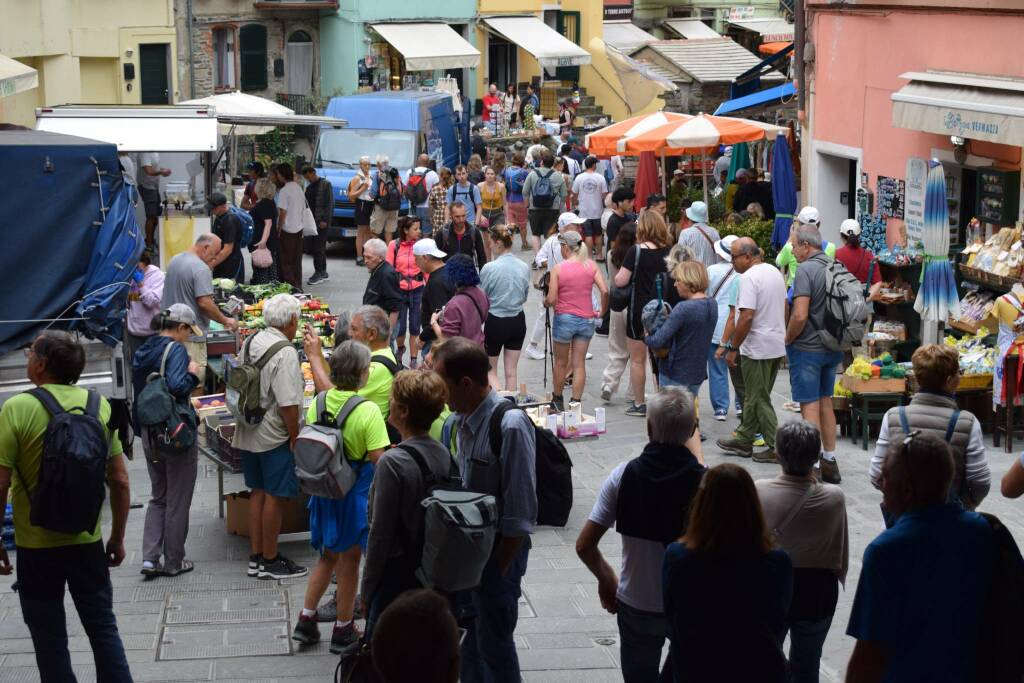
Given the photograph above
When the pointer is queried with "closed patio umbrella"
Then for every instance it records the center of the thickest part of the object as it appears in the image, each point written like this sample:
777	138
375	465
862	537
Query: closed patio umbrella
740	159
783	191
937	298
646	179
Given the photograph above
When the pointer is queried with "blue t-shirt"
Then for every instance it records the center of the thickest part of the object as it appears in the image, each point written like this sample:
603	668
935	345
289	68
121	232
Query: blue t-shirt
921	591
746	597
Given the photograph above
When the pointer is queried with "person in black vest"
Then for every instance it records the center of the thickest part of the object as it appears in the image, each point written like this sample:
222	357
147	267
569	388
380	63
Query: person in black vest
461	237
228	261
647	500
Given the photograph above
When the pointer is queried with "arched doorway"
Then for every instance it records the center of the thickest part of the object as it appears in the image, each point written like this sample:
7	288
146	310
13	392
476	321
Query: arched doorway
298	61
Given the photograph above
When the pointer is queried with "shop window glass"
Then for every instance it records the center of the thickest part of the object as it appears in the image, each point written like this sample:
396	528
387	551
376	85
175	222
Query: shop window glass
253	50
224	59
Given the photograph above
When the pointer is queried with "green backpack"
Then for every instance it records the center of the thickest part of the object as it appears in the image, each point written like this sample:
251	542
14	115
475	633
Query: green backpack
243	383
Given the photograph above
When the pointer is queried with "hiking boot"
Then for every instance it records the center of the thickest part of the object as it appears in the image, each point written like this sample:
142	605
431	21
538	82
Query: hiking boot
343	636
534	353
328	611
254	565
307	631
830	471
606	393
767	456
281	568
735	446
635	410
759	440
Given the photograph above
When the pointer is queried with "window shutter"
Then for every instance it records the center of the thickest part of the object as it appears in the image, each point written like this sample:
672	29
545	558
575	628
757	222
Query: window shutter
253	39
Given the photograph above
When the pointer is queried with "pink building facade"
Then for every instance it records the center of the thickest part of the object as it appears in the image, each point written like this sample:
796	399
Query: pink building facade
854	66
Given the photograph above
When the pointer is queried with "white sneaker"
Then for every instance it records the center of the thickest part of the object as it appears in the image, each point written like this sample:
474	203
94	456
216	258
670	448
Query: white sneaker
590	356
534	353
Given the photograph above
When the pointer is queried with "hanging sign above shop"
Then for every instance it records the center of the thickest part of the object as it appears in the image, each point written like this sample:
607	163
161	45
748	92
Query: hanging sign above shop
917	178
618	9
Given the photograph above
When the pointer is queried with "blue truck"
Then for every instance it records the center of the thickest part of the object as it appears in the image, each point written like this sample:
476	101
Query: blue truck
399	124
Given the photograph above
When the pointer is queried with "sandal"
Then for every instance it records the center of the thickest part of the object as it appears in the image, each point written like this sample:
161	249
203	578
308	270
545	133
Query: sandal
186	566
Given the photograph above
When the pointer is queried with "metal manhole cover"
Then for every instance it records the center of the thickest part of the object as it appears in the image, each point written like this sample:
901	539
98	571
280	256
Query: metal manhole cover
146	593
234	640
233	608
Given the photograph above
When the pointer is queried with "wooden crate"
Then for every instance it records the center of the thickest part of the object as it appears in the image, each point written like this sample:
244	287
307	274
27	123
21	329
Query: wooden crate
874	385
968	382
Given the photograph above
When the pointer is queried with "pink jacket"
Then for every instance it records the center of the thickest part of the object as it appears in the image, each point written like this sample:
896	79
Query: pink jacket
144	301
400	256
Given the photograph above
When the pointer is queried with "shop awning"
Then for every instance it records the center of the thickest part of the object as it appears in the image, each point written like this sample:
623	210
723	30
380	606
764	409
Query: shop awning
772	97
690	28
773	48
625	36
973	106
429	46
550	47
770	30
16	77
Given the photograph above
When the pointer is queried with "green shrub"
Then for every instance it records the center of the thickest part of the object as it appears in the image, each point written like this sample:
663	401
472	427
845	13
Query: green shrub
716	205
760	230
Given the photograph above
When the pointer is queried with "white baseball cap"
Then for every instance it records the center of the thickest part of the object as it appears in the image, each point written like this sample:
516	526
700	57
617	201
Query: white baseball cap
849	227
808	216
427	247
569	218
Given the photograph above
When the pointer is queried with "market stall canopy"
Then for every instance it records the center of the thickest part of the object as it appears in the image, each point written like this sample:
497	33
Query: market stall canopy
711	60
550	47
16	77
699	133
777	97
242	114
771	30
136	129
605	142
429	46
640	82
973	106
625	36
690	28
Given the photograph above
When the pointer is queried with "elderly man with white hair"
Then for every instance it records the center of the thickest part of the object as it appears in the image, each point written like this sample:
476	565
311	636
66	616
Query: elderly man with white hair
382	288
266	447
387	198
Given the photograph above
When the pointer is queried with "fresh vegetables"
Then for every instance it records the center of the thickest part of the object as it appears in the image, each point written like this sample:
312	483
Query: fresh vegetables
884	367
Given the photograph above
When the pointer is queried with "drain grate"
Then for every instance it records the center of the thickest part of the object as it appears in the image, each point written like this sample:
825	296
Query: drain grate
233	640
234	616
146	593
176	652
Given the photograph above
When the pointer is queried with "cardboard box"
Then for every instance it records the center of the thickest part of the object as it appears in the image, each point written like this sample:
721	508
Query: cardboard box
294	518
875	385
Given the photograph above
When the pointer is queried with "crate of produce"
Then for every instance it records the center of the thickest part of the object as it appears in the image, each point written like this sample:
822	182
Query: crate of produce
222	440
969	382
875	385
209	424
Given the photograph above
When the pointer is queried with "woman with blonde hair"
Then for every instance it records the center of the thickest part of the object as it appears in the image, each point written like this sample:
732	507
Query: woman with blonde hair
492	199
264	218
686	333
642	267
570	292
725	576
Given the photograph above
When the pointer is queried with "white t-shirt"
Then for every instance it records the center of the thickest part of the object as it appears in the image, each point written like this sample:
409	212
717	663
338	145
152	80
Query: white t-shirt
640	579
293	201
590	187
150	182
130	172
550	253
430	178
763	289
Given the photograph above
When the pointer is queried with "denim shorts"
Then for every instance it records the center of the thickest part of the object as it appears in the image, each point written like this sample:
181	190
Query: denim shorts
567	327
272	471
812	374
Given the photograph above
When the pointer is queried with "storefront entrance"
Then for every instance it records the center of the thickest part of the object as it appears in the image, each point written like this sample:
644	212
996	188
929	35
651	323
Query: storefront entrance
502	61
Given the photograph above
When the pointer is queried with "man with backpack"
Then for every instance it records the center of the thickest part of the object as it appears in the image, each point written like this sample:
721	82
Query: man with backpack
370	327
465	192
274	388
320	198
489	651
812	365
460	236
387	199
57	503
545	194
421	181
228	227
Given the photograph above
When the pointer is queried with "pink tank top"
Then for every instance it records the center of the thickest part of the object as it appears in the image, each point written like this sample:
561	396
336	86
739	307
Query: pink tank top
575	284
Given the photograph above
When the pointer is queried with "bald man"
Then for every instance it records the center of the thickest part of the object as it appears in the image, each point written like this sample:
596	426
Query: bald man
422	173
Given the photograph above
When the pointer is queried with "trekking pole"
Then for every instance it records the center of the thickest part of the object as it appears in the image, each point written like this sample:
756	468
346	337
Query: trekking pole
547	342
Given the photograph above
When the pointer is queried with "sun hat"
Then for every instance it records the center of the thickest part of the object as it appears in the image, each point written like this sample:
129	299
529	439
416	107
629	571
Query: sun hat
723	247
698	212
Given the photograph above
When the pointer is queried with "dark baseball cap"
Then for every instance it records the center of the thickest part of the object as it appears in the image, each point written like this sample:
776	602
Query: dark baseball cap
255	166
216	199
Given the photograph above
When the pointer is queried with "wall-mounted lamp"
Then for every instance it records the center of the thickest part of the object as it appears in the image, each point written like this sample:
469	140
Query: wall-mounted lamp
128	53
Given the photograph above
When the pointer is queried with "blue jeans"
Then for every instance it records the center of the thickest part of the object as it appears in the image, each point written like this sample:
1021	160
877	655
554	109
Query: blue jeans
642	637
426	227
489	650
806	639
42	575
718	383
409	313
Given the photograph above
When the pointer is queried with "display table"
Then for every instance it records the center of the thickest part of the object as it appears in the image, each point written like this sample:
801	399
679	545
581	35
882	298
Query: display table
1009	419
868	407
222	466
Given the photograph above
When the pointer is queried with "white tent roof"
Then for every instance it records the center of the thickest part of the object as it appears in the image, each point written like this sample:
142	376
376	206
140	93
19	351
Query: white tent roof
429	46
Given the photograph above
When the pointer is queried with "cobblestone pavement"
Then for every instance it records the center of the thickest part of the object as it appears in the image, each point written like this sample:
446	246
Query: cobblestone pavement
217	624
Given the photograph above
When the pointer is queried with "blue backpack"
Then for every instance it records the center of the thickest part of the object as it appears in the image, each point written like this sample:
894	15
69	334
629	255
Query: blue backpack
543	192
245	218
516	179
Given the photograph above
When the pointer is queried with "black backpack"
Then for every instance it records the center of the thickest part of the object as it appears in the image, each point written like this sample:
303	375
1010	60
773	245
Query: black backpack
393	367
171	424
71	485
389	194
553	467
1000	656
416	188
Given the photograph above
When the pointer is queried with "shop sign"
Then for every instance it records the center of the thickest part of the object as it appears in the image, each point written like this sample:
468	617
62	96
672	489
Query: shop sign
964	126
916	180
618	9
737	13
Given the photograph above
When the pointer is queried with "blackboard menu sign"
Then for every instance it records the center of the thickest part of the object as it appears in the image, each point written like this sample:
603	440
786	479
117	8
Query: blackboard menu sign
890	196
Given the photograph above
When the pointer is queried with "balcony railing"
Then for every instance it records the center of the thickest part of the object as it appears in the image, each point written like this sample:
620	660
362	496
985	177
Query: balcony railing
301	5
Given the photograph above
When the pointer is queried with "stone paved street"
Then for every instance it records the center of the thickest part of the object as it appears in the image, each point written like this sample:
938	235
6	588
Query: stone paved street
217	624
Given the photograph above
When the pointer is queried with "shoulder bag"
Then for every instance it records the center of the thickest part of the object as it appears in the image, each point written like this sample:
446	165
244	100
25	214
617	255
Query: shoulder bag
308	220
621	297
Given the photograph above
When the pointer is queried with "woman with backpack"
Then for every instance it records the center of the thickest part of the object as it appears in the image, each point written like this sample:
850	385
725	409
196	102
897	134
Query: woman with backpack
465	313
514	177
172	473
339	528
395	515
475	169
465	191
410	282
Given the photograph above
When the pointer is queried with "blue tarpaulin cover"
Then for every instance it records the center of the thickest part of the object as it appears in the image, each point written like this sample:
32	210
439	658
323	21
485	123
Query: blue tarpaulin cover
68	229
761	98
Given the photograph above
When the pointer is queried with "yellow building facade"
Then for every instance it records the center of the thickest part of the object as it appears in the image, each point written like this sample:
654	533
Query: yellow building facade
581	21
90	52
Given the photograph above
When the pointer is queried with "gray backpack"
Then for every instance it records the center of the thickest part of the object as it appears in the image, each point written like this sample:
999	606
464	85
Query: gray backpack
458	530
320	463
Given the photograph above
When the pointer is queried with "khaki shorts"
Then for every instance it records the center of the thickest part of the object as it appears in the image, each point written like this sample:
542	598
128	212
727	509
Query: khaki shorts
382	221
197	352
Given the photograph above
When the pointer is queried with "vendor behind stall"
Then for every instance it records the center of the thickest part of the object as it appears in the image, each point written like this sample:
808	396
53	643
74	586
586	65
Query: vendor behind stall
228	261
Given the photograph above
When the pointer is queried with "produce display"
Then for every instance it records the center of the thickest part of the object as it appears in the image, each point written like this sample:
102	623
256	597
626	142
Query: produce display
883	367
315	312
976	358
